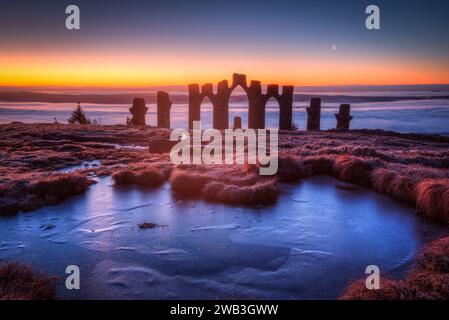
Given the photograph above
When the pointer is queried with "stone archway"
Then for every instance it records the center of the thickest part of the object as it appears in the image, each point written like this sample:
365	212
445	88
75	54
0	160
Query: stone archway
272	113
256	102
238	107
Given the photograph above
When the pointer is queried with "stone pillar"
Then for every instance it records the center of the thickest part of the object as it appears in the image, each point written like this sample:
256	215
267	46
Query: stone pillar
195	99
239	79
221	113
272	90
314	114
237	123
343	117
163	109
207	90
221	106
256	113
223	88
286	108
138	110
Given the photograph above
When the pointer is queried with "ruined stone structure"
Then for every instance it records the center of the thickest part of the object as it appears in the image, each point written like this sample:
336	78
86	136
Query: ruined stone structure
314	115
256	102
138	111
163	109
343	117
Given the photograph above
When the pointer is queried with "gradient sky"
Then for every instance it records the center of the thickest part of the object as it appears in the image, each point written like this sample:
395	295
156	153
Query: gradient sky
141	43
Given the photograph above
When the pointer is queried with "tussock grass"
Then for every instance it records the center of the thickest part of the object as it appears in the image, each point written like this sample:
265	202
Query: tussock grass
353	169
389	290
289	169
397	186
317	165
432	198
228	184
54	189
32	192
429	280
435	257
153	175
264	192
20	282
189	184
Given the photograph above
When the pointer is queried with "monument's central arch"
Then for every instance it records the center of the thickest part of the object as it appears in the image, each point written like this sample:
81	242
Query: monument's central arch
238	108
256	102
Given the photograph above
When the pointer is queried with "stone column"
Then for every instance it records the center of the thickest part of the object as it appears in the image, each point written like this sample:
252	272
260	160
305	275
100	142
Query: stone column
256	109
314	115
163	109
273	90
239	79
195	99
221	106
286	108
343	117
138	110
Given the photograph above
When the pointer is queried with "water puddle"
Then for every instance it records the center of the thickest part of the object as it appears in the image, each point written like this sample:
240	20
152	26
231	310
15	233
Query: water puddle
321	234
83	165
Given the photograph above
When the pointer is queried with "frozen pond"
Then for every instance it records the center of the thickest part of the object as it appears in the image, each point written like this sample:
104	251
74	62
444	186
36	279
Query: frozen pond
321	234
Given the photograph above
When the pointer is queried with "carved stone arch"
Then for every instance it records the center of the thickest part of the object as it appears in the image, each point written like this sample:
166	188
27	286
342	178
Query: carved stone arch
221	99
239	80
256	102
262	117
245	89
196	98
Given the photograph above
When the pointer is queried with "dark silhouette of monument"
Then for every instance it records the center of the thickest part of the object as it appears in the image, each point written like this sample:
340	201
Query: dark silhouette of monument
256	102
138	111
343	117
314	115
163	109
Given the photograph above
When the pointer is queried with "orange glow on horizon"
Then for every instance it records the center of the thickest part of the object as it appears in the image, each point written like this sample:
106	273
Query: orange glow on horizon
134	70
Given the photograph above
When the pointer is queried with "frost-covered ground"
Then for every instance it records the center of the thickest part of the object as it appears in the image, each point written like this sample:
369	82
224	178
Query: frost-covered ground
227	231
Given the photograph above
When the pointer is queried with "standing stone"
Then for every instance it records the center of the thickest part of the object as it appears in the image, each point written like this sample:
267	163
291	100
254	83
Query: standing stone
237	123
220	102
138	111
207	90
256	106
286	108
314	115
343	117
239	80
195	99
163	109
273	90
